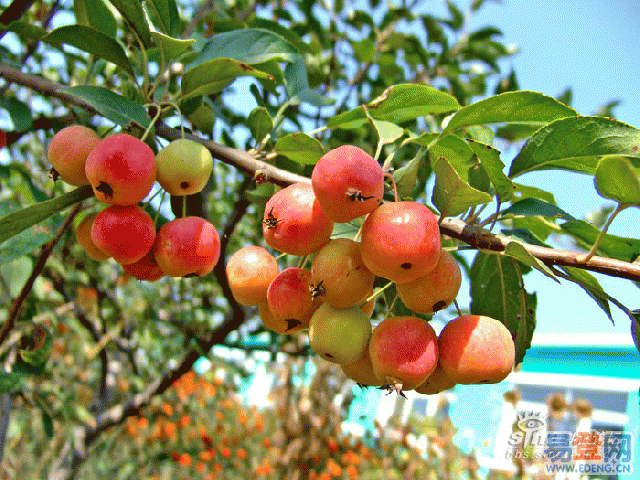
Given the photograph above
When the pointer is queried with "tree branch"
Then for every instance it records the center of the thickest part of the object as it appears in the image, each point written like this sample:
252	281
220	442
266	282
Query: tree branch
453	227
483	239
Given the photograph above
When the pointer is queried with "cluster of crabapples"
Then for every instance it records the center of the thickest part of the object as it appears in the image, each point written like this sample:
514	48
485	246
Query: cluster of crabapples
334	299
121	170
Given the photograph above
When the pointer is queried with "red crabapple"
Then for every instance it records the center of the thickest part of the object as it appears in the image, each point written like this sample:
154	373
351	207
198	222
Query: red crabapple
126	232
275	324
404	352
437	382
68	152
121	169
145	269
83	236
293	221
401	241
348	183
289	297
250	271
361	371
187	246
435	290
476	349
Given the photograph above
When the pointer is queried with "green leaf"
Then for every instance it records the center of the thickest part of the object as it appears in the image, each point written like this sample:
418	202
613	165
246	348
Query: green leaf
260	123
387	132
203	119
496	291
28	240
526	191
517	251
8	380
521	106
288	34
171	48
536	207
249	45
96	14
116	108
615	179
91	41
165	16
576	144
625	249
25	30
398	104
590	285
212	76
16	222
452	195
489	158
133	14
407	175
456	151
19	112
14	274
300	148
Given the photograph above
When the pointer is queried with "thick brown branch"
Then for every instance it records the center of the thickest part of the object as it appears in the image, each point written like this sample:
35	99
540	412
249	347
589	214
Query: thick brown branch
483	239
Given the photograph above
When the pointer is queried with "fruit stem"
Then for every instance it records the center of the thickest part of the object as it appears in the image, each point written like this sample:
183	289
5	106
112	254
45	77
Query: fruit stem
594	248
376	294
455	302
393	184
184	206
151	124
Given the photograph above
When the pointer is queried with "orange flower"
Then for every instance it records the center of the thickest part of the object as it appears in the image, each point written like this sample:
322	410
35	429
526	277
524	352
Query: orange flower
184	459
352	472
334	468
167	409
143	422
226	452
241	453
184	421
200	467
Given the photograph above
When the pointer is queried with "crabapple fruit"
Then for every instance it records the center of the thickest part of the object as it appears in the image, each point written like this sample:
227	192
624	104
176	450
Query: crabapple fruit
250	271
275	324
289	297
145	269
183	167
340	277
348	183
187	246
435	290
476	349
361	371
293	221
83	236
126	232
339	335
404	352
437	382
121	169
401	241
68	151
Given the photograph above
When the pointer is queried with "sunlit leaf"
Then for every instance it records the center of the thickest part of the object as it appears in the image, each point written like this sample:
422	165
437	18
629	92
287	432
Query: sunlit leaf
615	179
577	144
521	106
452	195
300	148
